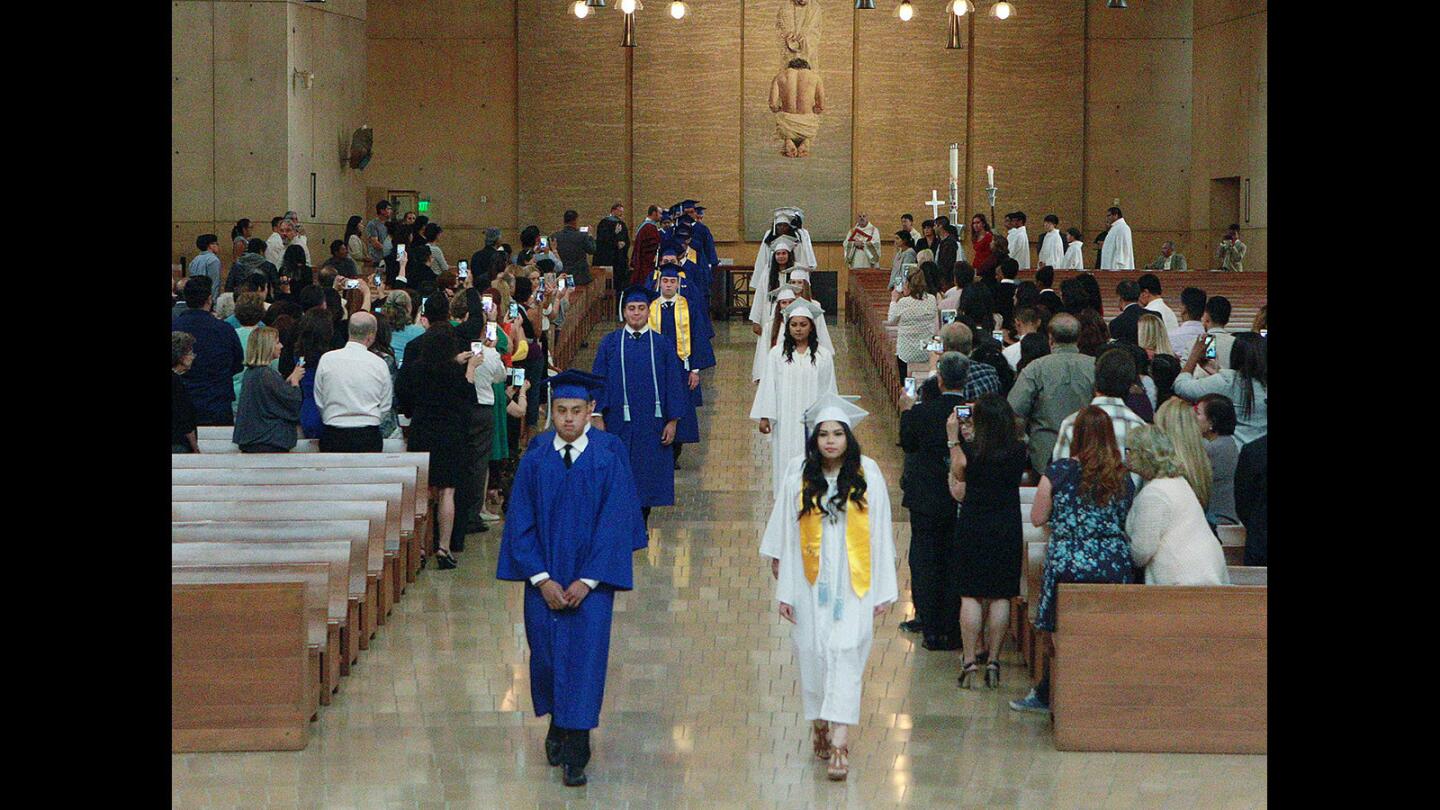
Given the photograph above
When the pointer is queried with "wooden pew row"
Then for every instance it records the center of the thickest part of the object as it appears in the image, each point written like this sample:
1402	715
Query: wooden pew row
405	476
238	667
1232	542
1161	668
355	533
224	445
389	494
424	516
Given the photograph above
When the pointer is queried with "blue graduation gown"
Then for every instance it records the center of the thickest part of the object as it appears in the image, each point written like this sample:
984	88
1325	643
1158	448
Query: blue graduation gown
696	285
650	461
688	431
704	242
583	522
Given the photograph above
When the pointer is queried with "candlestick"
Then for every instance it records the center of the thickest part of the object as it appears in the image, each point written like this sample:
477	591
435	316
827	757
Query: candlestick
990	175
954	161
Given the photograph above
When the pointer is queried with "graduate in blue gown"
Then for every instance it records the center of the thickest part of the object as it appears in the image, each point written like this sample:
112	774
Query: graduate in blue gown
571	527
704	241
676	313
695	272
644	397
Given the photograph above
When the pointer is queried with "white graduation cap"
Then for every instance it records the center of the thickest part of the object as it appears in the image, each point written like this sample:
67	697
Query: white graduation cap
787	213
784	292
802	307
799	274
782	242
840	408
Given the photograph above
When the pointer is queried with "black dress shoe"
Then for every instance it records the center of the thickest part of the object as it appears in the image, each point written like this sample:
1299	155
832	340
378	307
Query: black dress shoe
912	626
573	776
939	643
552	752
444	561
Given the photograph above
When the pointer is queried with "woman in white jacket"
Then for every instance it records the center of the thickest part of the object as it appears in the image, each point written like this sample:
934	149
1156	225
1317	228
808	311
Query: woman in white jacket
1169	536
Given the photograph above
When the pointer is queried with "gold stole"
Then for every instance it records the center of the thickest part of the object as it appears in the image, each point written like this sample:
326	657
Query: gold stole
682	323
857	545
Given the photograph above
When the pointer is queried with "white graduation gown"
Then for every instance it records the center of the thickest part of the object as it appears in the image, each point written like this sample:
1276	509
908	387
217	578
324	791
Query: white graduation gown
1052	249
762	343
760	277
785	391
1117	252
832	650
1074	258
1019	246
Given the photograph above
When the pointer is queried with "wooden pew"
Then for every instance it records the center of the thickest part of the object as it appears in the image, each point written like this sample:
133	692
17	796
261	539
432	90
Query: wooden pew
1248	574
390	494
193	566
238	661
1232	541
224	445
356	533
424	517
1161	668
374	513
1034	580
405	476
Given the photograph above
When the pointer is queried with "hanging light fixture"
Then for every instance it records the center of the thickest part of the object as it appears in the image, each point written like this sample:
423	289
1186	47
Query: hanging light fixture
860	5
961	7
628	6
1117	4
678	9
579	9
905	11
594	3
1002	10
952	25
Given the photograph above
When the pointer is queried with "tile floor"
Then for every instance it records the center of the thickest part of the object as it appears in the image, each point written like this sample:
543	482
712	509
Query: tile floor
701	706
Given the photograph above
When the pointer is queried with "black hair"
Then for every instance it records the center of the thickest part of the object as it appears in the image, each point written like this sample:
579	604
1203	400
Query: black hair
1115	209
789	343
523	289
775	267
381	206
1053	220
440	346
995	427
930	389
1027	295
255	245
571	215
529	237
929	223
197	290
987	351
431	231
1164	368
910	217
1073	294
383	332
1192	299
310	298
1114	372
239	229
964	274
352	227
1092	291
205	240
849	486
798	64
1149	283
1248	358
1010	268
313	337
1220	411
1128	291
904	236
335	245
1032	347
1020	215
254	281
1045	277
275	221
1218	307
419	254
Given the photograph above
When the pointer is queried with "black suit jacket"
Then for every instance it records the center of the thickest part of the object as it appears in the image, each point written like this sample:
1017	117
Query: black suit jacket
1126	326
1005	302
924	482
945	256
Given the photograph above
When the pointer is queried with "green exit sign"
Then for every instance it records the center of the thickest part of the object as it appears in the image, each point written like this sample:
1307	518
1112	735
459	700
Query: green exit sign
424	206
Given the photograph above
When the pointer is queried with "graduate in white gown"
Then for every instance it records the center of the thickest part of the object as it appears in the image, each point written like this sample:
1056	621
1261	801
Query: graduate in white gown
1074	259
1117	252
797	372
798	245
799	287
832	552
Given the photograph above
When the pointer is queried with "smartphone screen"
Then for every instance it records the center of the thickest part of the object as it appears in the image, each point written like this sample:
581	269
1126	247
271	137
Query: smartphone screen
1264	332
476	347
560	283
487	302
584	228
962	411
464	273
910	387
464	267
999	335
947	315
519	374
514	310
544	244
400	250
935	345
490	331
352	283
379	280
1209	347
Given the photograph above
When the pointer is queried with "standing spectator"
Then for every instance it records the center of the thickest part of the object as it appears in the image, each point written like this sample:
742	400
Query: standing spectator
239	239
1053	387
1231	252
484	258
1084	496
1215	416
1192	308
1215	319
431	233
980	378
1151	300
573	246
1092	290
399	310
417	267
281	232
354	240
904	258
295	271
182	410
924	484
987	355
612	239
1164	368
378	242
1126	326
1093	335
267	416
985	473
1152	336
1114	373
207	261
907	224
947	253
1032	348
915	311
353	392
1027	322
249	310
1051	300
298	236
313	338
252	261
1245	384
225	309
381	349
218	356
1177	419
981	239
1252	474
1169	536
485	376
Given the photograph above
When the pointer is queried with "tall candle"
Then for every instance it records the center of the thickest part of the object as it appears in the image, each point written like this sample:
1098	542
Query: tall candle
954	161
990	175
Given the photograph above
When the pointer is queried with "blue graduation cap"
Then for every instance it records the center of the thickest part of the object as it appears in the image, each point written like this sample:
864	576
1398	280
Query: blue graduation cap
699	209
669	270
638	292
575	384
682	232
687	204
686	220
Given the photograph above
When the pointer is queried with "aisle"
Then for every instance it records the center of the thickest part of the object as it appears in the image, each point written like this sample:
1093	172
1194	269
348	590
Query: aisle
702	707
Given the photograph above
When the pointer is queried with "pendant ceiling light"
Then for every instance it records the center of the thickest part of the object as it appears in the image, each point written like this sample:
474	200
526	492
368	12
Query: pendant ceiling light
628	6
1117	4
579	9
864	4
594	3
961	7
1002	10
952	27
905	11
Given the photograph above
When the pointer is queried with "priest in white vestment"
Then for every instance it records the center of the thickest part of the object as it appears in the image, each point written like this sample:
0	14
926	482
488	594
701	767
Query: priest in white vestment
804	253
835	571
1052	245
782	298
797	371
862	246
1074	251
1117	252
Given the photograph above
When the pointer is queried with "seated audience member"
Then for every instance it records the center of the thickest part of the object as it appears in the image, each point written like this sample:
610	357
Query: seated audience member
1027	322
1125	327
1052	388
1169	536
218	357
1168	259
1217	315
1084	496
1032	348
182	411
268	413
1164	368
1114	372
1244	383
1252	472
1177	419
1192	310
1215	414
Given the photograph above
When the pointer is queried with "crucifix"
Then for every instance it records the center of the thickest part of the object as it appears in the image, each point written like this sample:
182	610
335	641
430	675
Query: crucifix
934	202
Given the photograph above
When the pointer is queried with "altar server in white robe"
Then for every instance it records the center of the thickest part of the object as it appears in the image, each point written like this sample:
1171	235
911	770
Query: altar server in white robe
1117	252
1074	257
799	287
801	251
1052	245
797	372
832	552
1019	240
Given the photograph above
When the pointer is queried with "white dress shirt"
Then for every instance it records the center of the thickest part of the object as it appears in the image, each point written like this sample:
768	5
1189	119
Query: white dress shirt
275	249
1182	338
576	448
490	371
1011	354
352	387
1158	306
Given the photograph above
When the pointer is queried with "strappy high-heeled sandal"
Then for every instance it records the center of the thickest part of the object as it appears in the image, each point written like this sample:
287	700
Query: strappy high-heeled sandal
967	675
839	767
992	675
822	742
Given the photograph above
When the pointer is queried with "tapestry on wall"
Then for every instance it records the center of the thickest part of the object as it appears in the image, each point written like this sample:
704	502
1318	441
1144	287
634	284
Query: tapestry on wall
797	113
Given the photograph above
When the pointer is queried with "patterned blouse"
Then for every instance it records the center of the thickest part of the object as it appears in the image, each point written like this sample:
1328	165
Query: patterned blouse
1087	542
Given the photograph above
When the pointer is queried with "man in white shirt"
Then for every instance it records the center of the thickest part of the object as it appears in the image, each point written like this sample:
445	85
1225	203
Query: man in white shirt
1117	252
907	223
487	371
1019	240
1192	305
1052	244
1027	321
353	391
281	232
1151	300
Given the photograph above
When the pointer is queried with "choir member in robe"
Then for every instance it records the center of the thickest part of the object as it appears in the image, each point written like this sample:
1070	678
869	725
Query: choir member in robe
643	397
832	552
647	242
797	371
676	314
1118	251
1052	244
799	287
1019	240
571	527
862	248
1074	258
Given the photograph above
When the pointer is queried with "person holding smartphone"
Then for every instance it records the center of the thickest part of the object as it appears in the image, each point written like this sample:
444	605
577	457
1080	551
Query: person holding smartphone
484	376
573	246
